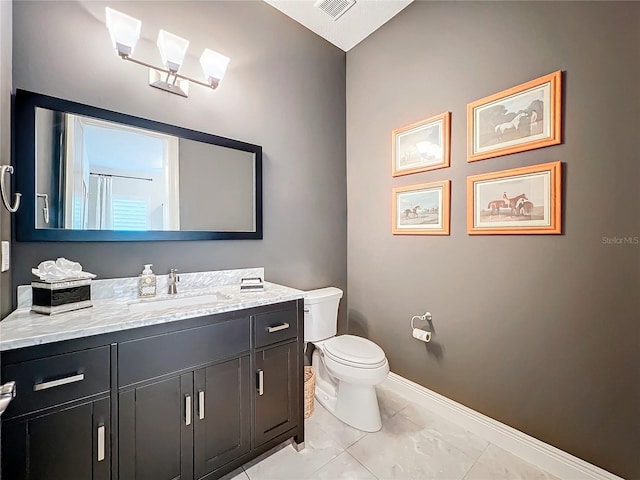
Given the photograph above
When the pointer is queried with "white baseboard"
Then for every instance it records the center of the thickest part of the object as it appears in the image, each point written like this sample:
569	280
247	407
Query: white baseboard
532	450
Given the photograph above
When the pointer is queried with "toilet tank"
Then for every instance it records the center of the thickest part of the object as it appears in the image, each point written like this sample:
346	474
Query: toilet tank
321	313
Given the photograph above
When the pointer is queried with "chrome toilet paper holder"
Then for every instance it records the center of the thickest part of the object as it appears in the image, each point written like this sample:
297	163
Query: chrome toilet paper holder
418	333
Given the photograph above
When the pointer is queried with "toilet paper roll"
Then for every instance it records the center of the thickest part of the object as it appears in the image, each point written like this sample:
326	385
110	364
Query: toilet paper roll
422	335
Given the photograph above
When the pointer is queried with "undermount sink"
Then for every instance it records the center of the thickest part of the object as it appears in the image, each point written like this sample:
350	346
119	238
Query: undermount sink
165	303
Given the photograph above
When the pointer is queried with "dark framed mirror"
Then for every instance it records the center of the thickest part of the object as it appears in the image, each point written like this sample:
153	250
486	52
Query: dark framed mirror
90	174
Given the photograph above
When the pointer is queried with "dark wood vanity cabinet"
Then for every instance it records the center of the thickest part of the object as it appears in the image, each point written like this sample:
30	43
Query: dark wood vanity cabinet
278	374
276	402
59	425
66	443
184	404
222	421
154	439
184	400
185	426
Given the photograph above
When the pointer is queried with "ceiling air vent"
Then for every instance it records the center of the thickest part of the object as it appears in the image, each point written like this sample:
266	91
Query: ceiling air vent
334	8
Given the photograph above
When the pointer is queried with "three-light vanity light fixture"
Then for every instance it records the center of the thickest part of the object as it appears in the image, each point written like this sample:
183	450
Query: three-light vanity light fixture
125	33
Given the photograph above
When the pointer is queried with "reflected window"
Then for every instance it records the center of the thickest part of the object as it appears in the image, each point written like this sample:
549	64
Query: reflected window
111	176
132	177
130	214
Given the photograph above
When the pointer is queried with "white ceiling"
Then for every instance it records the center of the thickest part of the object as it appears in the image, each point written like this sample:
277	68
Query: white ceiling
357	23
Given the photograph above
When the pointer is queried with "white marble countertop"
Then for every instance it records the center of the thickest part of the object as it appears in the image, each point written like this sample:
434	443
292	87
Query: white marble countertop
24	328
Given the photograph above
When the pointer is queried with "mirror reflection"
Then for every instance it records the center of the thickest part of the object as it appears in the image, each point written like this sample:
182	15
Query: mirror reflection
93	174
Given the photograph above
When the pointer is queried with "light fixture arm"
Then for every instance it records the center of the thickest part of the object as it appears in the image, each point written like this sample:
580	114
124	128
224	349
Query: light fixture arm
214	84
125	30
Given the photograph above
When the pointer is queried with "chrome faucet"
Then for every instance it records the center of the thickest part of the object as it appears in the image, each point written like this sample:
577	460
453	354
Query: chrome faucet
174	278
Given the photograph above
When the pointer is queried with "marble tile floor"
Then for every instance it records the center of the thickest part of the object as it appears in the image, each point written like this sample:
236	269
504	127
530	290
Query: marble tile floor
413	444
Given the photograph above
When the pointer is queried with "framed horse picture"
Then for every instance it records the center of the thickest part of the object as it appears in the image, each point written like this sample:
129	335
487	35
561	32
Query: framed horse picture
422	146
515	120
523	200
422	209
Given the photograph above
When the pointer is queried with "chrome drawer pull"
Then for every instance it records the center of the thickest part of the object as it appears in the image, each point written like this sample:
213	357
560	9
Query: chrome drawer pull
101	443
57	383
260	382
284	326
187	410
201	405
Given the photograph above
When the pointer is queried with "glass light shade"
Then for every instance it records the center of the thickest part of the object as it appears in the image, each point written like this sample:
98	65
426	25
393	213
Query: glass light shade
214	66
172	49
124	31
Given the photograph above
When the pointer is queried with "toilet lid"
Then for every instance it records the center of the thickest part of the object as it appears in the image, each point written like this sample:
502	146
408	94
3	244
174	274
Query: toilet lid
352	350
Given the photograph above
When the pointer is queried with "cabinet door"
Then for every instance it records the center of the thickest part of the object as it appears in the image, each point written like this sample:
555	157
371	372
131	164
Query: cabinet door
71	443
222	415
276	405
155	431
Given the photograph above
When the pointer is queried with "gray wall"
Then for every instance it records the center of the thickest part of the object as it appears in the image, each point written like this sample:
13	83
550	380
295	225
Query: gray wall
5	138
539	332
217	188
284	90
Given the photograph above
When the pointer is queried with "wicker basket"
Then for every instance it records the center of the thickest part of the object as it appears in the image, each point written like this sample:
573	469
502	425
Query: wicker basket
309	391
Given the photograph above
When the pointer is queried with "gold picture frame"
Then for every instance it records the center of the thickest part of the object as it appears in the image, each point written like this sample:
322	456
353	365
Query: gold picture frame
521	118
524	200
422	146
421	209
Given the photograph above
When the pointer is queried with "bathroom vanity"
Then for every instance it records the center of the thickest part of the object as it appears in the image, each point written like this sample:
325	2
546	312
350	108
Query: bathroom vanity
190	392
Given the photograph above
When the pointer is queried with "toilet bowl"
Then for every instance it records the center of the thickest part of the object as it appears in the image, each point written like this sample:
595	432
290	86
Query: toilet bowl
347	367
345	384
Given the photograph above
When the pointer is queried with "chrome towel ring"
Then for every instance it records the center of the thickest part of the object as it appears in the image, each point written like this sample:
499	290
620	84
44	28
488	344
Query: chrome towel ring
16	203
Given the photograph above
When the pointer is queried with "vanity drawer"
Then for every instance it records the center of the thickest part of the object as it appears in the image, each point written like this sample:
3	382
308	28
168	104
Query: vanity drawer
273	327
151	357
58	379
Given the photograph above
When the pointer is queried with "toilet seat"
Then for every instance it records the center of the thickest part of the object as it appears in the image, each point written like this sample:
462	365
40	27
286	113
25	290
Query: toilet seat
354	351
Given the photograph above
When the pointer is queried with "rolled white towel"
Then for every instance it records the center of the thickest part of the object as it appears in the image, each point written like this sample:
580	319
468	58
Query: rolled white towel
60	270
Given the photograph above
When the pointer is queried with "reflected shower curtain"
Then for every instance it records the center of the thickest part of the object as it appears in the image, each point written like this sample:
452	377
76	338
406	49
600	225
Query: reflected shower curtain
85	205
104	203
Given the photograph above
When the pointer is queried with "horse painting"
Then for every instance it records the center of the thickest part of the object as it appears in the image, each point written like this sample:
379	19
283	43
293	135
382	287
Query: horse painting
526	208
413	212
500	129
534	125
496	205
513	202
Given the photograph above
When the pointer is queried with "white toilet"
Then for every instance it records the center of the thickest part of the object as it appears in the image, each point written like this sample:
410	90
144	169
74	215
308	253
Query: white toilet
347	367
